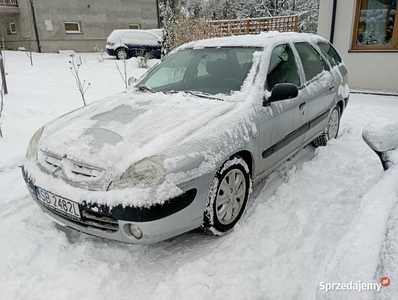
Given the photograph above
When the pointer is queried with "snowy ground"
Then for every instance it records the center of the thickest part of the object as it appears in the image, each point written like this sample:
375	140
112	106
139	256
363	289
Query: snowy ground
329	215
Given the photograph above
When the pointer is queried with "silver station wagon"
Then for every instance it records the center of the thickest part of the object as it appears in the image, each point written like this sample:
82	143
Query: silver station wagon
181	148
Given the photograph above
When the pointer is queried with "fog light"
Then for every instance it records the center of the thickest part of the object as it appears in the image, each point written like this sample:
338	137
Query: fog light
136	231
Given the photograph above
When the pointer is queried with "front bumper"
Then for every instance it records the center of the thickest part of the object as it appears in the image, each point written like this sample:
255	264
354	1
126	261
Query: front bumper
158	222
110	51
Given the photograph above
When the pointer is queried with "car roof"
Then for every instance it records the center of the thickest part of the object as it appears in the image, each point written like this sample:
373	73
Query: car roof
122	31
252	40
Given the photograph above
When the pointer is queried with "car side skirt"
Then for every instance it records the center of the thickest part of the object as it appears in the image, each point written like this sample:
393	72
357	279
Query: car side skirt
295	134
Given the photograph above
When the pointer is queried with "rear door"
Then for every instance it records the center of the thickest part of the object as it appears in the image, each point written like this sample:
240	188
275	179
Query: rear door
335	61
151	44
133	41
319	89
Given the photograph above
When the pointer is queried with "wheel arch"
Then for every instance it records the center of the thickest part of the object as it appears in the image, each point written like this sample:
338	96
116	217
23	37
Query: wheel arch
122	47
247	156
341	105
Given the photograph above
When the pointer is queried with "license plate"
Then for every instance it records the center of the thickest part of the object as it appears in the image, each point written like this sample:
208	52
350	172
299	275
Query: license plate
59	204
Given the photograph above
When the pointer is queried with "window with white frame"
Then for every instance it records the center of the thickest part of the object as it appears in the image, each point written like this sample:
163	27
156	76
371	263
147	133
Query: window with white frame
134	26
73	27
11	28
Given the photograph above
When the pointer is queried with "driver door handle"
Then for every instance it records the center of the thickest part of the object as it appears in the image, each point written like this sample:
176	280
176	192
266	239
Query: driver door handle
302	106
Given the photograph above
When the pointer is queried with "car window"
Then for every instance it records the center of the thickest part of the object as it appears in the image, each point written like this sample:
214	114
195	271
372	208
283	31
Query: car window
283	67
138	35
207	59
330	53
139	38
173	71
311	60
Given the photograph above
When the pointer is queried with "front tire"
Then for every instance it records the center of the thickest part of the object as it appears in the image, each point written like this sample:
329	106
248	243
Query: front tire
121	53
331	130
227	198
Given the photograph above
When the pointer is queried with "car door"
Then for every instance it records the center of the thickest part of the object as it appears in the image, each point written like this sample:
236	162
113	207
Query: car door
133	42
281	122
319	89
150	44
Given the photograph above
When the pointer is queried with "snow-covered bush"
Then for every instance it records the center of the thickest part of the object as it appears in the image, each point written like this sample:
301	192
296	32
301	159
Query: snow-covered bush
186	20
143	60
101	52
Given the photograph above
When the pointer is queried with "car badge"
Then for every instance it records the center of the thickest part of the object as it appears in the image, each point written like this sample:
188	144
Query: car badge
59	167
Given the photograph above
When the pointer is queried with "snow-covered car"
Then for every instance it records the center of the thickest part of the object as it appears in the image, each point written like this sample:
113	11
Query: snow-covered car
126	43
182	147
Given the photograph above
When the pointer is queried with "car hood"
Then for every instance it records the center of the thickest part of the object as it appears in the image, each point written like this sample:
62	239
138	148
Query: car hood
115	132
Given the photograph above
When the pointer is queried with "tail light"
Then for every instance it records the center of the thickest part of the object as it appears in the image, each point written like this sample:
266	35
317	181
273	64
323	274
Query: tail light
110	44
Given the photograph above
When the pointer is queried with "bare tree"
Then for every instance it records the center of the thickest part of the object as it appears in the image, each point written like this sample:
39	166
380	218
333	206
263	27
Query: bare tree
123	73
82	86
307	10
26	32
1	99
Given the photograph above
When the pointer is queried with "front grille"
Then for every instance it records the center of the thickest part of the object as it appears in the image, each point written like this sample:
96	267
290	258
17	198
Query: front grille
79	169
100	222
92	220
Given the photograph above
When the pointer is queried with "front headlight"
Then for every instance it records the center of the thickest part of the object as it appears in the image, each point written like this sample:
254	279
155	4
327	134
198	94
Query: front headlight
143	174
34	141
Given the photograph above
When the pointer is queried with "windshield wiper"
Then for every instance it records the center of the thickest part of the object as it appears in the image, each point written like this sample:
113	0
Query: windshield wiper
144	88
203	95
198	94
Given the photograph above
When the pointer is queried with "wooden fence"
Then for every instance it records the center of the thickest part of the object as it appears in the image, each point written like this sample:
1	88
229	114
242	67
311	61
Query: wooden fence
252	26
191	29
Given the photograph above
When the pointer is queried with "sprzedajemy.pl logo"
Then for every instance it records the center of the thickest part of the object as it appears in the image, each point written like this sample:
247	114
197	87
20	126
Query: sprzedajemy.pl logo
358	286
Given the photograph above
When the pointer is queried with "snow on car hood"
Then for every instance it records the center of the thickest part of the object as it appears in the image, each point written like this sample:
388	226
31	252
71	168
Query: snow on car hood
193	134
118	131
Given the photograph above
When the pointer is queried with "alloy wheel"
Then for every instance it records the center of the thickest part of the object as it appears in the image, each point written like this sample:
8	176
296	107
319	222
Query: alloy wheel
230	196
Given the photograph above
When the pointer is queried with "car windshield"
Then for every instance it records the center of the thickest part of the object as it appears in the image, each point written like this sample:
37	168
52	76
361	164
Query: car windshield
206	71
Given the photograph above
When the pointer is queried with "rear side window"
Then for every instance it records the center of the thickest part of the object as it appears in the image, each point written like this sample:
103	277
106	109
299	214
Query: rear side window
283	67
330	53
311	60
138	37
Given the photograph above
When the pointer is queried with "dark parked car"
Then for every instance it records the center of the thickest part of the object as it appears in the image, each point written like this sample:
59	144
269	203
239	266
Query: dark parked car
126	43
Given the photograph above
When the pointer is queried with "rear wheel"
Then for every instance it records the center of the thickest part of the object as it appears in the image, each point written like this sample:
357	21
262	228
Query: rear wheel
332	129
121	53
228	196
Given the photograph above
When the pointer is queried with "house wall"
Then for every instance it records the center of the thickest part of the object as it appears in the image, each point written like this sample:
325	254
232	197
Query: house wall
97	18
369	71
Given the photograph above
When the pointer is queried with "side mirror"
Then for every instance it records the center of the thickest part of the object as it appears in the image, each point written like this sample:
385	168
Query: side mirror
131	80
283	91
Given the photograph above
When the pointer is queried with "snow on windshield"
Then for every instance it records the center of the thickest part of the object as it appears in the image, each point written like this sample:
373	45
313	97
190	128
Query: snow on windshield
210	70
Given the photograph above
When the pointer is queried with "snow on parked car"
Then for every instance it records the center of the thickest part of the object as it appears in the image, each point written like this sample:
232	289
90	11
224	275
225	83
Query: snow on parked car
182	148
126	43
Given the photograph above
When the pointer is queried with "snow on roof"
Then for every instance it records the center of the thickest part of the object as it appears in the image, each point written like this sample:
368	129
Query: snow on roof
257	40
153	32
